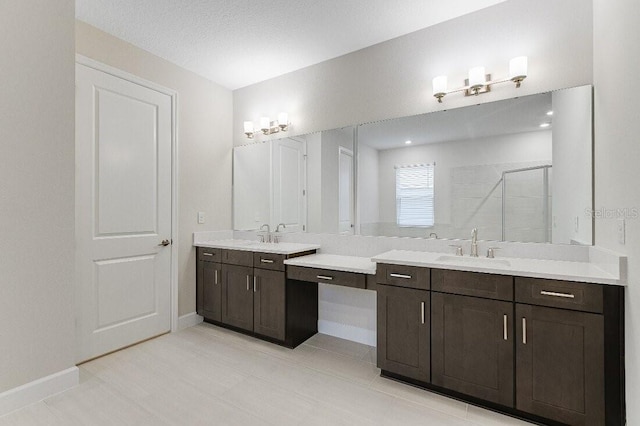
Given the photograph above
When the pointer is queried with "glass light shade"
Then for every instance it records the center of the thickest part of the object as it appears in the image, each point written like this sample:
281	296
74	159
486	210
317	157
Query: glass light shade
440	85
518	68
283	118
264	123
248	126
477	77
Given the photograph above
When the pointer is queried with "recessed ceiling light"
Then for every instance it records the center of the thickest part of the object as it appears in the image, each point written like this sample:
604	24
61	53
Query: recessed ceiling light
407	142
550	113
545	125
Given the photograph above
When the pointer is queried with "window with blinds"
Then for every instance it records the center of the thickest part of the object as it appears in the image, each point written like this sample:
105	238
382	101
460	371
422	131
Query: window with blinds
414	195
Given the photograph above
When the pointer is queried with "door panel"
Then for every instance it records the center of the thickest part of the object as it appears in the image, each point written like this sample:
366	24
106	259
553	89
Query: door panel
269	303
560	364
126	164
472	346
403	331
123	212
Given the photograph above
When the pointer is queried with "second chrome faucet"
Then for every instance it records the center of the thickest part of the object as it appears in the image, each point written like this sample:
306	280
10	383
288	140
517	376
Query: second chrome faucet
474	243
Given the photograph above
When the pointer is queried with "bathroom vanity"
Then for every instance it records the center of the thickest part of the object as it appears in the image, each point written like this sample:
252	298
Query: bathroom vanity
538	339
242	285
543	349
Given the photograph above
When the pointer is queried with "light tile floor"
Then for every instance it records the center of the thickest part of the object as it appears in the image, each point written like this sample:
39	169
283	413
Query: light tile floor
206	375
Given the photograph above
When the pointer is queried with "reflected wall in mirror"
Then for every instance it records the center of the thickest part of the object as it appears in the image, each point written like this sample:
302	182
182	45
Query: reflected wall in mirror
268	185
518	170
305	182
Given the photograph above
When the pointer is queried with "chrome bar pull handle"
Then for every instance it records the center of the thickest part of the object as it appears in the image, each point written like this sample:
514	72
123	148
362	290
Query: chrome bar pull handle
254	284
266	260
207	254
216	276
324	277
403	276
556	294
504	327
248	282
422	312
524	331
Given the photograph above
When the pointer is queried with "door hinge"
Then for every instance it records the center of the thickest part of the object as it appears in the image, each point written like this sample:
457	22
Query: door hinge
304	192
304	228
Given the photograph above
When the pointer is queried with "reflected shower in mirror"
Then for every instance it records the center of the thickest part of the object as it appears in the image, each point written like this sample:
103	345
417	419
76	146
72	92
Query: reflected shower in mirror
518	170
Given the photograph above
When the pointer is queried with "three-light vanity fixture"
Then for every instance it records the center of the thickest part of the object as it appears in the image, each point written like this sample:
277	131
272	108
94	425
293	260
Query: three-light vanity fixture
479	82
267	126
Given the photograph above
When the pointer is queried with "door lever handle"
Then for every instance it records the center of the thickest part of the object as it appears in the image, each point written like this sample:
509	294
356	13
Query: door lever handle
165	243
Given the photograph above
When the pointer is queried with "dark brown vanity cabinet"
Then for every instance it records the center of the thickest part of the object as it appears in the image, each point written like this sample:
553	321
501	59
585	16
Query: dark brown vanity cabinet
544	350
403	320
209	284
560	353
403	331
250	292
237	296
472	346
269	303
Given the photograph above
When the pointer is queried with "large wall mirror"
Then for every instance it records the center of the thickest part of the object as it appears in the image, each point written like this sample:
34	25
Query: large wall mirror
518	170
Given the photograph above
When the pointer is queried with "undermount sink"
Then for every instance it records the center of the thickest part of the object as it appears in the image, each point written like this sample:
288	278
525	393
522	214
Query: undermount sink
478	261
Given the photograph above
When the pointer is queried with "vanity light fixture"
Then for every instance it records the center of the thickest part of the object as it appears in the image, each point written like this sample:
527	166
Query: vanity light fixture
268	127
479	82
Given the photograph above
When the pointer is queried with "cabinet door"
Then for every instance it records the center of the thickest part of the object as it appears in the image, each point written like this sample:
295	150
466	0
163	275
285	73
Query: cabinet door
403	331
472	346
237	296
269	303
560	364
209	290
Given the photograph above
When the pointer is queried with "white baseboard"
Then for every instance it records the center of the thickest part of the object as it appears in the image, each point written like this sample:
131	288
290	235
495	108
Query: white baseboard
35	391
189	320
347	332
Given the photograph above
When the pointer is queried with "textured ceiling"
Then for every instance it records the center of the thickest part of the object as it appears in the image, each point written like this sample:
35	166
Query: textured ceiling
236	43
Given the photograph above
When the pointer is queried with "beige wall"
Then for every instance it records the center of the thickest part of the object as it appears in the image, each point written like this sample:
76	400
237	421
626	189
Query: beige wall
204	142
617	159
393	79
36	190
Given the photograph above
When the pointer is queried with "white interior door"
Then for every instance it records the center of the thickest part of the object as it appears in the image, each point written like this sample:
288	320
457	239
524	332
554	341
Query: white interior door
123	212
289	195
345	191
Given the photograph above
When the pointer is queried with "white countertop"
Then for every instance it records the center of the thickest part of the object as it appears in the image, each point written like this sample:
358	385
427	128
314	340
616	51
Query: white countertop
256	246
360	265
535	268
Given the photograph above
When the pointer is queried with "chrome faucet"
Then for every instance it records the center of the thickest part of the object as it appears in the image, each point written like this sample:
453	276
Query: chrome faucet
267	235
276	236
474	243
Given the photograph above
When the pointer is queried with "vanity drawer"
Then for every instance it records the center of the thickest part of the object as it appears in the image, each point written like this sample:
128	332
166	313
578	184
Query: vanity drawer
560	294
207	254
269	261
403	276
490	286
237	257
326	276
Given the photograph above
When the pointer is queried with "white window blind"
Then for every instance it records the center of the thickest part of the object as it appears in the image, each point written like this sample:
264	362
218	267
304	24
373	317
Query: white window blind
414	195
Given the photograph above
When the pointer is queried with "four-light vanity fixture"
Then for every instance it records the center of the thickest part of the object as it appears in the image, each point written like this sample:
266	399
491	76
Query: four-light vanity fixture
267	126
479	82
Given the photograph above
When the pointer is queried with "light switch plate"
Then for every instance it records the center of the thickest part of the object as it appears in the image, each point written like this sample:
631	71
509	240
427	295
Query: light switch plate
621	231
200	218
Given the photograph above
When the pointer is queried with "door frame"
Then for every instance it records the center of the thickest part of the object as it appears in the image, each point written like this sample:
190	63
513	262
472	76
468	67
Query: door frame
100	66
